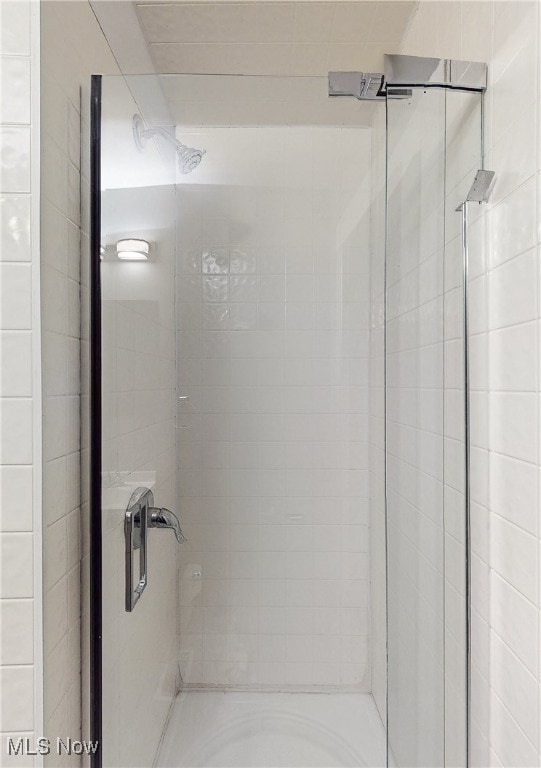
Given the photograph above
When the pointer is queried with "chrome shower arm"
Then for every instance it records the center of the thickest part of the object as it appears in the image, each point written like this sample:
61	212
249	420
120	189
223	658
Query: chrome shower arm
188	157
158	130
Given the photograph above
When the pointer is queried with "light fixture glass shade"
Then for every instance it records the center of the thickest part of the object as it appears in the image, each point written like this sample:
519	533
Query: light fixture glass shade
132	250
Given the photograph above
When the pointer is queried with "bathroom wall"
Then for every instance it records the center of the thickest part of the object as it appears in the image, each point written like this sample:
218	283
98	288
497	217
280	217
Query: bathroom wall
505	346
65	147
272	302
505	373
20	396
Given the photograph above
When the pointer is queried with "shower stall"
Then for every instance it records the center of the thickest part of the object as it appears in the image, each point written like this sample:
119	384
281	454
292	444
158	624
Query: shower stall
281	394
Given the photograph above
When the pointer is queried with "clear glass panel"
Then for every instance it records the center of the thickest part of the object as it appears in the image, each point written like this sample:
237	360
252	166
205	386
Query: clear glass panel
140	655
463	132
414	408
235	386
433	151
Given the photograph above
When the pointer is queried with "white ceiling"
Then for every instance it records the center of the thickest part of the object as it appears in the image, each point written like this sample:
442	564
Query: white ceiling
272	38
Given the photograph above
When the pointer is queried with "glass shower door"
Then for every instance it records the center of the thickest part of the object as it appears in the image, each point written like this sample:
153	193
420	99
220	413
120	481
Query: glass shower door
234	387
230	382
433	151
134	493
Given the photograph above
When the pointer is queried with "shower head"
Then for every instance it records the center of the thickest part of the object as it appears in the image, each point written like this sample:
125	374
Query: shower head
188	157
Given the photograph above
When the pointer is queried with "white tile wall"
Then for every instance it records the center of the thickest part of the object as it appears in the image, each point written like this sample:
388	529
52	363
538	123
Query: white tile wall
65	99
505	375
20	454
273	344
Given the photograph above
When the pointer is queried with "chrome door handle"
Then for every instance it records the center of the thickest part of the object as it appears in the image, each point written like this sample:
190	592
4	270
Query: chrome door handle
141	514
135	535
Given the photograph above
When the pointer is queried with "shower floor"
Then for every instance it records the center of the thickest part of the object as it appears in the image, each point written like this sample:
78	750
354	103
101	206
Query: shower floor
260	729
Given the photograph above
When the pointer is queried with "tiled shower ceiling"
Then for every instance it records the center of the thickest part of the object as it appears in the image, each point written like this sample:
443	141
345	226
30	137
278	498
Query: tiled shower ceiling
261	38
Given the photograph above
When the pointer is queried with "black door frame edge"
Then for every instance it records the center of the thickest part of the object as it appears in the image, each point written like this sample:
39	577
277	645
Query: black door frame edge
95	427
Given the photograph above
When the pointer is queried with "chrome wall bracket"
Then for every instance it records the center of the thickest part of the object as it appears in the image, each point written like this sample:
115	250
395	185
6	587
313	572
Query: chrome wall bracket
480	189
362	85
402	73
422	71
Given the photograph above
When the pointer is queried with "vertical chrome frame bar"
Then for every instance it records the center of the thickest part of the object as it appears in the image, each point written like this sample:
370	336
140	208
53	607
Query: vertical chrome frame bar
463	208
479	193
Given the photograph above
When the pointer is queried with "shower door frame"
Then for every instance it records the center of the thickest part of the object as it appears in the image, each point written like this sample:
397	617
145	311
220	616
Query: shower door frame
96	431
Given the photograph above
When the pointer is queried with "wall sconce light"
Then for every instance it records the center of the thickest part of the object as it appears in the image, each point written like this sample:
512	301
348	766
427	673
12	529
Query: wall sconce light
132	250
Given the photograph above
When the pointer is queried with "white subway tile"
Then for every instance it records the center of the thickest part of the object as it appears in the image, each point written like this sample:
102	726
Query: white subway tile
74	134
515	556
54	352
513	224
15	228
55	614
514	491
513	367
271	288
515	619
16	437
15	18
510	92
16	498
53	297
16	364
55	542
513	424
16	296
17	686
55	489
513	291
509	743
15	82
511	28
54	188
16	632
519	139
16	568
15	149
56	675
517	688
55	426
